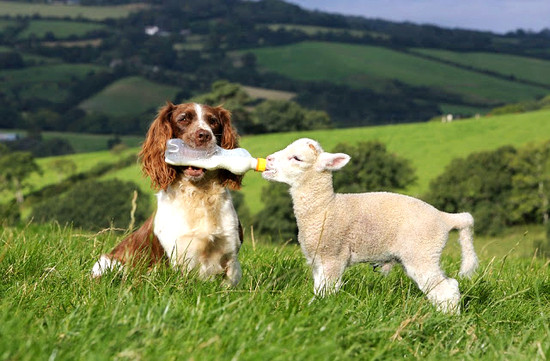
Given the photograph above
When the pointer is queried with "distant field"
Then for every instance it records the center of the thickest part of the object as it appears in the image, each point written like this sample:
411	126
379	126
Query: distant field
536	70
129	96
371	66
314	30
5	23
60	29
9	8
84	143
269	94
45	82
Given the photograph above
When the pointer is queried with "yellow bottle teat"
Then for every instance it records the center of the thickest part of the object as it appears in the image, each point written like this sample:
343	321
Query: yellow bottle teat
260	167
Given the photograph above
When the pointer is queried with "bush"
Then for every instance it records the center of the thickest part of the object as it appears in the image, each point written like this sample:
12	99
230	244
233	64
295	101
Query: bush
481	184
277	218
9	214
94	205
372	168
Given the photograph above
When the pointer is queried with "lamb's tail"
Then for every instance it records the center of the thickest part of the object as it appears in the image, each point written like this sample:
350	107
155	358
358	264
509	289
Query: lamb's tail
464	223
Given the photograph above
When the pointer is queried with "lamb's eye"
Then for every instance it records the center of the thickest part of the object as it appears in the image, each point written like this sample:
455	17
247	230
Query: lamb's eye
296	158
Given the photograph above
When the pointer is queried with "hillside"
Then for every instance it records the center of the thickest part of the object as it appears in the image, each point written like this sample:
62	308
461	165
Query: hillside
429	146
74	61
374	68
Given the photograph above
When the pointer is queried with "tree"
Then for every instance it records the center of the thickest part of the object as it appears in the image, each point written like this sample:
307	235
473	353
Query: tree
277	217
63	167
372	168
482	184
15	168
531	184
284	116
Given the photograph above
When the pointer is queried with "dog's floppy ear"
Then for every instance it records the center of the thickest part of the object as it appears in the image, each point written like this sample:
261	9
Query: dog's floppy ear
229	137
152	150
229	140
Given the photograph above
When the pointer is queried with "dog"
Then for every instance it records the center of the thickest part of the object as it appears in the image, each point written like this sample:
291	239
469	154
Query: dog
195	226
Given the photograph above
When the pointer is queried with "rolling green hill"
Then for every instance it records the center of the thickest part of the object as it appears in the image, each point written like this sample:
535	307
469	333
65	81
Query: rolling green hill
372	66
429	146
519	67
12	8
129	96
59	29
44	82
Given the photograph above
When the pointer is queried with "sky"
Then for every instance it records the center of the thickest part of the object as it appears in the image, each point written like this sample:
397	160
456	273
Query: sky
498	16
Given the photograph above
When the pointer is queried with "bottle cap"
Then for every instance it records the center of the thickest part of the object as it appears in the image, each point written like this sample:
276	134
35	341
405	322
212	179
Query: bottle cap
260	167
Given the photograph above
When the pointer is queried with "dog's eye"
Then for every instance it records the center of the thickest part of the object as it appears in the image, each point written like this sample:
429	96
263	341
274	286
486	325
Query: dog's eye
213	120
181	118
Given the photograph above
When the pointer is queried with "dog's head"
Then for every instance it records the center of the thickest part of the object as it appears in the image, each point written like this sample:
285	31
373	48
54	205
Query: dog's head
199	126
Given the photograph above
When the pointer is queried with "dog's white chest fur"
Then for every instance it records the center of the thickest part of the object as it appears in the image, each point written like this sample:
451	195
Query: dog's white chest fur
196	226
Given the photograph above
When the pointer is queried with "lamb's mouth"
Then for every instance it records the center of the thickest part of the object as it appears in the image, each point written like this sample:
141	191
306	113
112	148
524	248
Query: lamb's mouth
193	172
268	173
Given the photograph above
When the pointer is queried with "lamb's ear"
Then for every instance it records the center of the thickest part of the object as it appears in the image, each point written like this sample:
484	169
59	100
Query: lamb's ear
332	161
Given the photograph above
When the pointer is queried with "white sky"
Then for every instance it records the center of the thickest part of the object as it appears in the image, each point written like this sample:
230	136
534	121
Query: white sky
498	16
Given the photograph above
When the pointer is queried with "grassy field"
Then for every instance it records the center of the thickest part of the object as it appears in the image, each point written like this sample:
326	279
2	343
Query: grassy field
314	30
531	69
50	309
85	143
60	29
371	66
429	146
12	8
130	96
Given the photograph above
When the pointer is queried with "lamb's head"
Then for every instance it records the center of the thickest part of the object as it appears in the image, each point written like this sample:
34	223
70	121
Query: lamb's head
298	160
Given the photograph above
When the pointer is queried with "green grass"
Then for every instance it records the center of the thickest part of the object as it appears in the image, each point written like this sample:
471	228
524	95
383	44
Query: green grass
371	67
60	29
11	8
130	96
51	309
531	69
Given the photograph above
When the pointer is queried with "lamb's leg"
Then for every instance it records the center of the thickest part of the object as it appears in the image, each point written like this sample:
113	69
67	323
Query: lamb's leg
443	292
327	277
233	272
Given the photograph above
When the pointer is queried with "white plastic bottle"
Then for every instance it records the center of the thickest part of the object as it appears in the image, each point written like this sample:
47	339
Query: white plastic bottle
237	161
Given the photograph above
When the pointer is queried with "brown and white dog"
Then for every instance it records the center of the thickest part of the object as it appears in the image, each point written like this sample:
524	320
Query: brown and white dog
195	225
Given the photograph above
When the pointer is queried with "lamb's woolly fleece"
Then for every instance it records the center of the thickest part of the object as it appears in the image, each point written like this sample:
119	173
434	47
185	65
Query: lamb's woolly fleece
338	230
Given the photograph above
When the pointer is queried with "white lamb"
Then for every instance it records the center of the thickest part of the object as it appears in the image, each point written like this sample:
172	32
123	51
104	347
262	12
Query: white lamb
338	230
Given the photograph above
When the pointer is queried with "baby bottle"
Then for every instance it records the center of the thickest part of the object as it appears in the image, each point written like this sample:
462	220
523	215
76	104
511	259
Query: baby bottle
237	161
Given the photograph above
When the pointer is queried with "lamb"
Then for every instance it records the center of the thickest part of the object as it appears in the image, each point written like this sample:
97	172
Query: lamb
336	231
